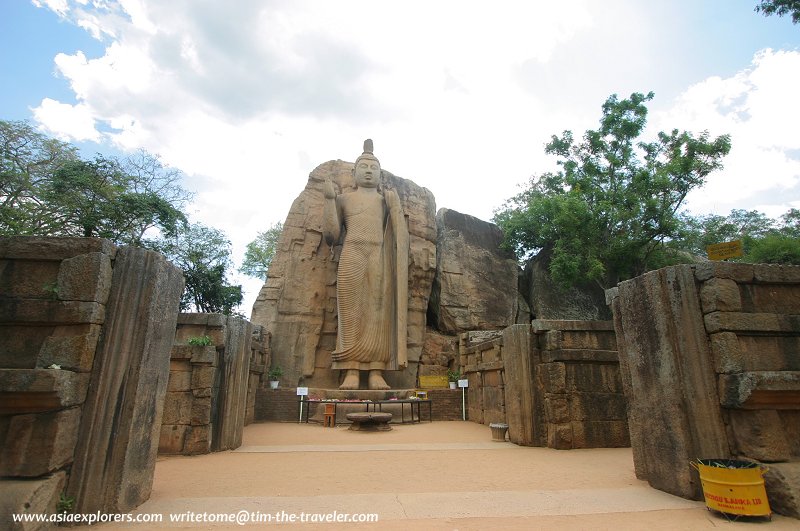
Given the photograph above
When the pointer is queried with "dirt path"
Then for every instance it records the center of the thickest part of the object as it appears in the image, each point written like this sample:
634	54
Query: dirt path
441	475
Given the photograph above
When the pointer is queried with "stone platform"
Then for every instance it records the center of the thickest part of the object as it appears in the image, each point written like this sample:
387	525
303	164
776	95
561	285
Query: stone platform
372	421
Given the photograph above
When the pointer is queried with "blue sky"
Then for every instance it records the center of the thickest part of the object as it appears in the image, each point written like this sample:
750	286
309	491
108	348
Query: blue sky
247	97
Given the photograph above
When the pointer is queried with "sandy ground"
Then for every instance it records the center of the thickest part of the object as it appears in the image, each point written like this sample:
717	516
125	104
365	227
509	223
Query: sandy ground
441	475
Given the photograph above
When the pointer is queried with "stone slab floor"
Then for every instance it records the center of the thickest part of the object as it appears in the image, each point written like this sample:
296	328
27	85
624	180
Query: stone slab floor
441	475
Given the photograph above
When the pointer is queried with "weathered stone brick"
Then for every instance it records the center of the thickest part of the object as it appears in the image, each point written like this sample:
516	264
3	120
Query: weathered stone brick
776	273
759	435
85	277
720	294
177	408
597	406
198	440
179	381
556	409
71	347
727	354
782	482
27	496
35	390
37	444
738	272
600	434
203	376
554	377
559	436
172	439
201	411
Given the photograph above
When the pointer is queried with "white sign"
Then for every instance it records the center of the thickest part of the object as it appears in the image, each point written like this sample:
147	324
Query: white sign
463	383
302	391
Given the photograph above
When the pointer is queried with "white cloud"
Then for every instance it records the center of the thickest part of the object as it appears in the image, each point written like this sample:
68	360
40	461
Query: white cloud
248	97
756	107
67	122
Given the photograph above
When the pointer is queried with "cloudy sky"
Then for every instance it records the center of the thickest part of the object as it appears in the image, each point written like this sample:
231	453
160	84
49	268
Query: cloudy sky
248	96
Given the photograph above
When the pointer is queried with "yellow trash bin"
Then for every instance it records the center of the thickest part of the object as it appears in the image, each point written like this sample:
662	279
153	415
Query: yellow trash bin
733	487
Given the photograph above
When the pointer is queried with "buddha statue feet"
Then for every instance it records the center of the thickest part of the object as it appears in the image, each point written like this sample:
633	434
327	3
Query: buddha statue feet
350	380
376	380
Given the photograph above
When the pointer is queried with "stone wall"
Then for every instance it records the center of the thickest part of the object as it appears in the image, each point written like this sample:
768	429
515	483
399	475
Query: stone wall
710	363
482	365
87	329
211	387
555	383
297	304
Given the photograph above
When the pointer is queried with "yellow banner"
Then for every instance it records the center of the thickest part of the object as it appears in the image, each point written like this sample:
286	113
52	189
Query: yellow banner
433	382
721	251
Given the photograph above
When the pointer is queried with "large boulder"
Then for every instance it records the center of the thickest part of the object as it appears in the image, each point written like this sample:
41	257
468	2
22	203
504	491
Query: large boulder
550	301
297	304
476	281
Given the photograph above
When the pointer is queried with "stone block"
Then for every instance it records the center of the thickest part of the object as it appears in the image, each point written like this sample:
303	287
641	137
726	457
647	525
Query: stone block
177	408
85	277
762	352
554	377
593	377
728	357
179	381
782	482
760	435
201	411
121	422
760	390
172	439
72	347
559	436
20	345
752	322
203	376
28	279
492	379
36	390
770	298
556	409
589	339
38	443
597	406
27	496
204	391
48	312
52	248
730	270
791	426
776	273
600	434
198	440
720	294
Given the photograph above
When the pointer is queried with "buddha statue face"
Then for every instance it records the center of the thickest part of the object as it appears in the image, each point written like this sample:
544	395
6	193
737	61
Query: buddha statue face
367	172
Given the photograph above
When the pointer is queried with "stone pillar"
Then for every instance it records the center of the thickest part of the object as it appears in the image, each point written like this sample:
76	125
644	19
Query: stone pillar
119	430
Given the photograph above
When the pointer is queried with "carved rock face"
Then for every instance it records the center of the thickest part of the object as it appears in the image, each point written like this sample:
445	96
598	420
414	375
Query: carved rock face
297	303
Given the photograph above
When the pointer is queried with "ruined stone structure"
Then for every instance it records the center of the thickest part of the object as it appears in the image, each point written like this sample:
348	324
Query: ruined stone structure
212	387
555	383
83	371
297	304
710	364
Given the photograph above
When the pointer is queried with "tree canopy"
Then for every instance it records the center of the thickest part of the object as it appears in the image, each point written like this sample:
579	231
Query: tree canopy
780	8
611	209
259	253
47	189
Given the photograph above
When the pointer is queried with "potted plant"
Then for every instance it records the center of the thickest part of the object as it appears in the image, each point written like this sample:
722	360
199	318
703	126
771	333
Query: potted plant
453	377
274	376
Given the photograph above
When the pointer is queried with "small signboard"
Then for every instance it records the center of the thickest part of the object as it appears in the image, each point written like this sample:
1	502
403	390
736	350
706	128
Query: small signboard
463	383
433	382
722	251
302	391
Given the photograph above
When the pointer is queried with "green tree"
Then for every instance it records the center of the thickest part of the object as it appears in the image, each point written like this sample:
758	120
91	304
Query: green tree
46	189
780	8
611	210
204	255
259	253
774	249
27	160
702	231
